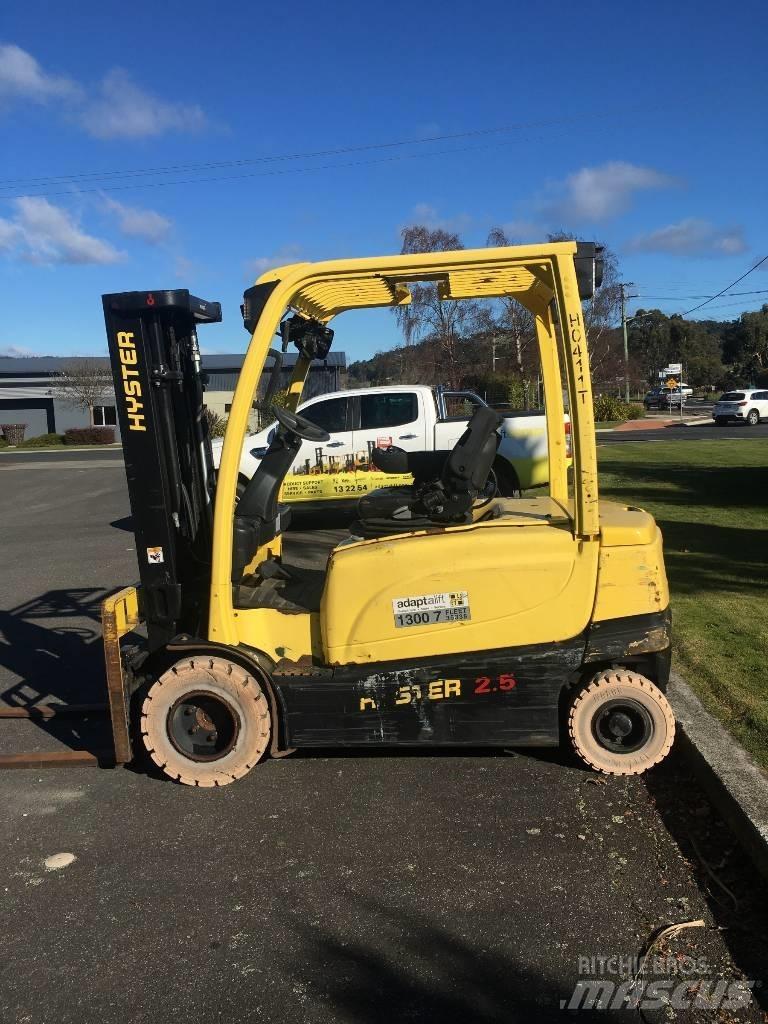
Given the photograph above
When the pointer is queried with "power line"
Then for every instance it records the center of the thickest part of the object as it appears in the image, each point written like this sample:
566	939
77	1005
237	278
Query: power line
676	298
727	287
725	305
274	173
308	155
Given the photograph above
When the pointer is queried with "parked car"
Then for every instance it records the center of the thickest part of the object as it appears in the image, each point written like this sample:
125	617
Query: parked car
416	418
663	398
748	406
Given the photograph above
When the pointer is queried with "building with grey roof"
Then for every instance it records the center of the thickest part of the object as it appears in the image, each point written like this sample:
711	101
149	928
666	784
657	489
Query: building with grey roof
27	396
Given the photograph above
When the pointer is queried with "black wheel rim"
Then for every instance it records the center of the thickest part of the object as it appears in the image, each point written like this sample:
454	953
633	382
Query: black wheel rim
622	726
202	726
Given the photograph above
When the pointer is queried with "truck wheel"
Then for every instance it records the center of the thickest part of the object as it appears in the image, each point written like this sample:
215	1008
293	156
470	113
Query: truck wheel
206	721
620	723
507	484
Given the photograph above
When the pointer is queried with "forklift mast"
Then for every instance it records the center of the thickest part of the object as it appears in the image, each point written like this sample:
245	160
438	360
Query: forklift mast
159	387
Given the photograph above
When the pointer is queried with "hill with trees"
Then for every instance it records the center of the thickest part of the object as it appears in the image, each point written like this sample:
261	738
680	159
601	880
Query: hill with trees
490	345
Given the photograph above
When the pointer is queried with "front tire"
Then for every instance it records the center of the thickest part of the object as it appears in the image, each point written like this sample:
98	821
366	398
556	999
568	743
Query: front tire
619	723
206	722
753	418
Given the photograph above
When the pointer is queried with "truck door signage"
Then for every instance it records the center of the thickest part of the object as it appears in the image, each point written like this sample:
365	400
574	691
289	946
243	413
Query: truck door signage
131	384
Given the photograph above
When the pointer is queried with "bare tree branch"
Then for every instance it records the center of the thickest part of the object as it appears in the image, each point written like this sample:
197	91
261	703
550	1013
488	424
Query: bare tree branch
84	384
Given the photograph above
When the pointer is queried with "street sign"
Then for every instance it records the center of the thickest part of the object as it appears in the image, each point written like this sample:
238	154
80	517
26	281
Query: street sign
674	368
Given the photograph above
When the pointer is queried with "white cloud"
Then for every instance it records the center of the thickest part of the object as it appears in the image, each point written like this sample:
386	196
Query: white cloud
523	231
44	233
599	193
21	77
429	216
183	267
125	111
136	222
15	351
9	234
286	254
692	237
117	108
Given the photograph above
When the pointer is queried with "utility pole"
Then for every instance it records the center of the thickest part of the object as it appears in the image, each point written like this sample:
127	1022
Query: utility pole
624	298
494	342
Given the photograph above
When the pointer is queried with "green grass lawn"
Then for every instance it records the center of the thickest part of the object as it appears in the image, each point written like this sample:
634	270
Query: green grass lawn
710	499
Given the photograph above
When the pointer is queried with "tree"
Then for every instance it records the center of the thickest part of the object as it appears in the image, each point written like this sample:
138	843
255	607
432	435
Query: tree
428	317
649	344
515	322
83	383
745	343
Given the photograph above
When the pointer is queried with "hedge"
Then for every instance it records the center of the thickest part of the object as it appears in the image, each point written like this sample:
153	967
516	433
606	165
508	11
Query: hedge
89	435
43	441
607	407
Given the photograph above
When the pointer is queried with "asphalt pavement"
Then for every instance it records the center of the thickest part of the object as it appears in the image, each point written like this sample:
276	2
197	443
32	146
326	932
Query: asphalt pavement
384	887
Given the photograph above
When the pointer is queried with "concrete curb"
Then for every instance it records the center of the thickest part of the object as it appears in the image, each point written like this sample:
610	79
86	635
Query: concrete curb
726	772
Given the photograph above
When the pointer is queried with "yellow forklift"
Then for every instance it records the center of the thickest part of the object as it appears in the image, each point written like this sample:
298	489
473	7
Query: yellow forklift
448	616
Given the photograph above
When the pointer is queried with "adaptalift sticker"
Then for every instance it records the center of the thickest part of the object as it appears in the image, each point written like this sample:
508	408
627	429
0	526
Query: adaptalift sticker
427	609
155	556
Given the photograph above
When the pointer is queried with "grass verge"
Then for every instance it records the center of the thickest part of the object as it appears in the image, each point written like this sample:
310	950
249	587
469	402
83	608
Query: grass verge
710	499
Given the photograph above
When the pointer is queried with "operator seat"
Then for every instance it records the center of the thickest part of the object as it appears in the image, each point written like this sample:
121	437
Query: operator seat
445	487
258	517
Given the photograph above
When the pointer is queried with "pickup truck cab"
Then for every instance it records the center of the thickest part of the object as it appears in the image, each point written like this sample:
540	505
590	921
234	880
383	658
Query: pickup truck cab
411	417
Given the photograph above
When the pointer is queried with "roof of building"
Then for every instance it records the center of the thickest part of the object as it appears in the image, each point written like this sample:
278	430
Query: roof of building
24	366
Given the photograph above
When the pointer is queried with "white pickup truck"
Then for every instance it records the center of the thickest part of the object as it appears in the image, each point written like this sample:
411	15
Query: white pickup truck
413	417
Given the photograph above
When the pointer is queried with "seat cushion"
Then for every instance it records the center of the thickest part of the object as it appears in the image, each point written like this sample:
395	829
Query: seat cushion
385	501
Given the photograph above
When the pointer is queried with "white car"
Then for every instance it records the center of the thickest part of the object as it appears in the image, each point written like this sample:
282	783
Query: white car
412	417
747	406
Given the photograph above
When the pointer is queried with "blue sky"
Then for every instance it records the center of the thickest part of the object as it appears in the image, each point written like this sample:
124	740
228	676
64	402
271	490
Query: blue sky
643	126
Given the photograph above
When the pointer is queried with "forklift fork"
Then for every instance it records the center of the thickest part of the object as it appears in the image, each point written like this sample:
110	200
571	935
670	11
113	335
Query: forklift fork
119	616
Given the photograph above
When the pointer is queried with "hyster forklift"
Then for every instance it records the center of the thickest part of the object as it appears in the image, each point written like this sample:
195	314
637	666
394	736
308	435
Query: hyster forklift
449	616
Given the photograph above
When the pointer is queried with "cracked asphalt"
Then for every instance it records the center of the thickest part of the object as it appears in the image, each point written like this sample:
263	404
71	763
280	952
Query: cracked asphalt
334	887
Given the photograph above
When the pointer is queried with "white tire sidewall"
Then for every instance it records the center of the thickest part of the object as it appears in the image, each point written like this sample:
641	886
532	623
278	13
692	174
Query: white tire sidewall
227	682
650	698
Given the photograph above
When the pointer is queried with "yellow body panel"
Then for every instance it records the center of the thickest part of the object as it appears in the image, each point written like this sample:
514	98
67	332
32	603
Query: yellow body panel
631	578
527	579
279	635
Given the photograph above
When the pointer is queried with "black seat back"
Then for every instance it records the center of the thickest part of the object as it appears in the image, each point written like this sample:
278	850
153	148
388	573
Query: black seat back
467	468
445	487
257	516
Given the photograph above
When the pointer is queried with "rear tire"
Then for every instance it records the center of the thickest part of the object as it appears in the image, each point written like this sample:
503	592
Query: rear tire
507	484
206	722
753	418
619	723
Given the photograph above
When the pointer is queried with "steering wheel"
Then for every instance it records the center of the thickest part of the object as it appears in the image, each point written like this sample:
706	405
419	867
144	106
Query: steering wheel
299	426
